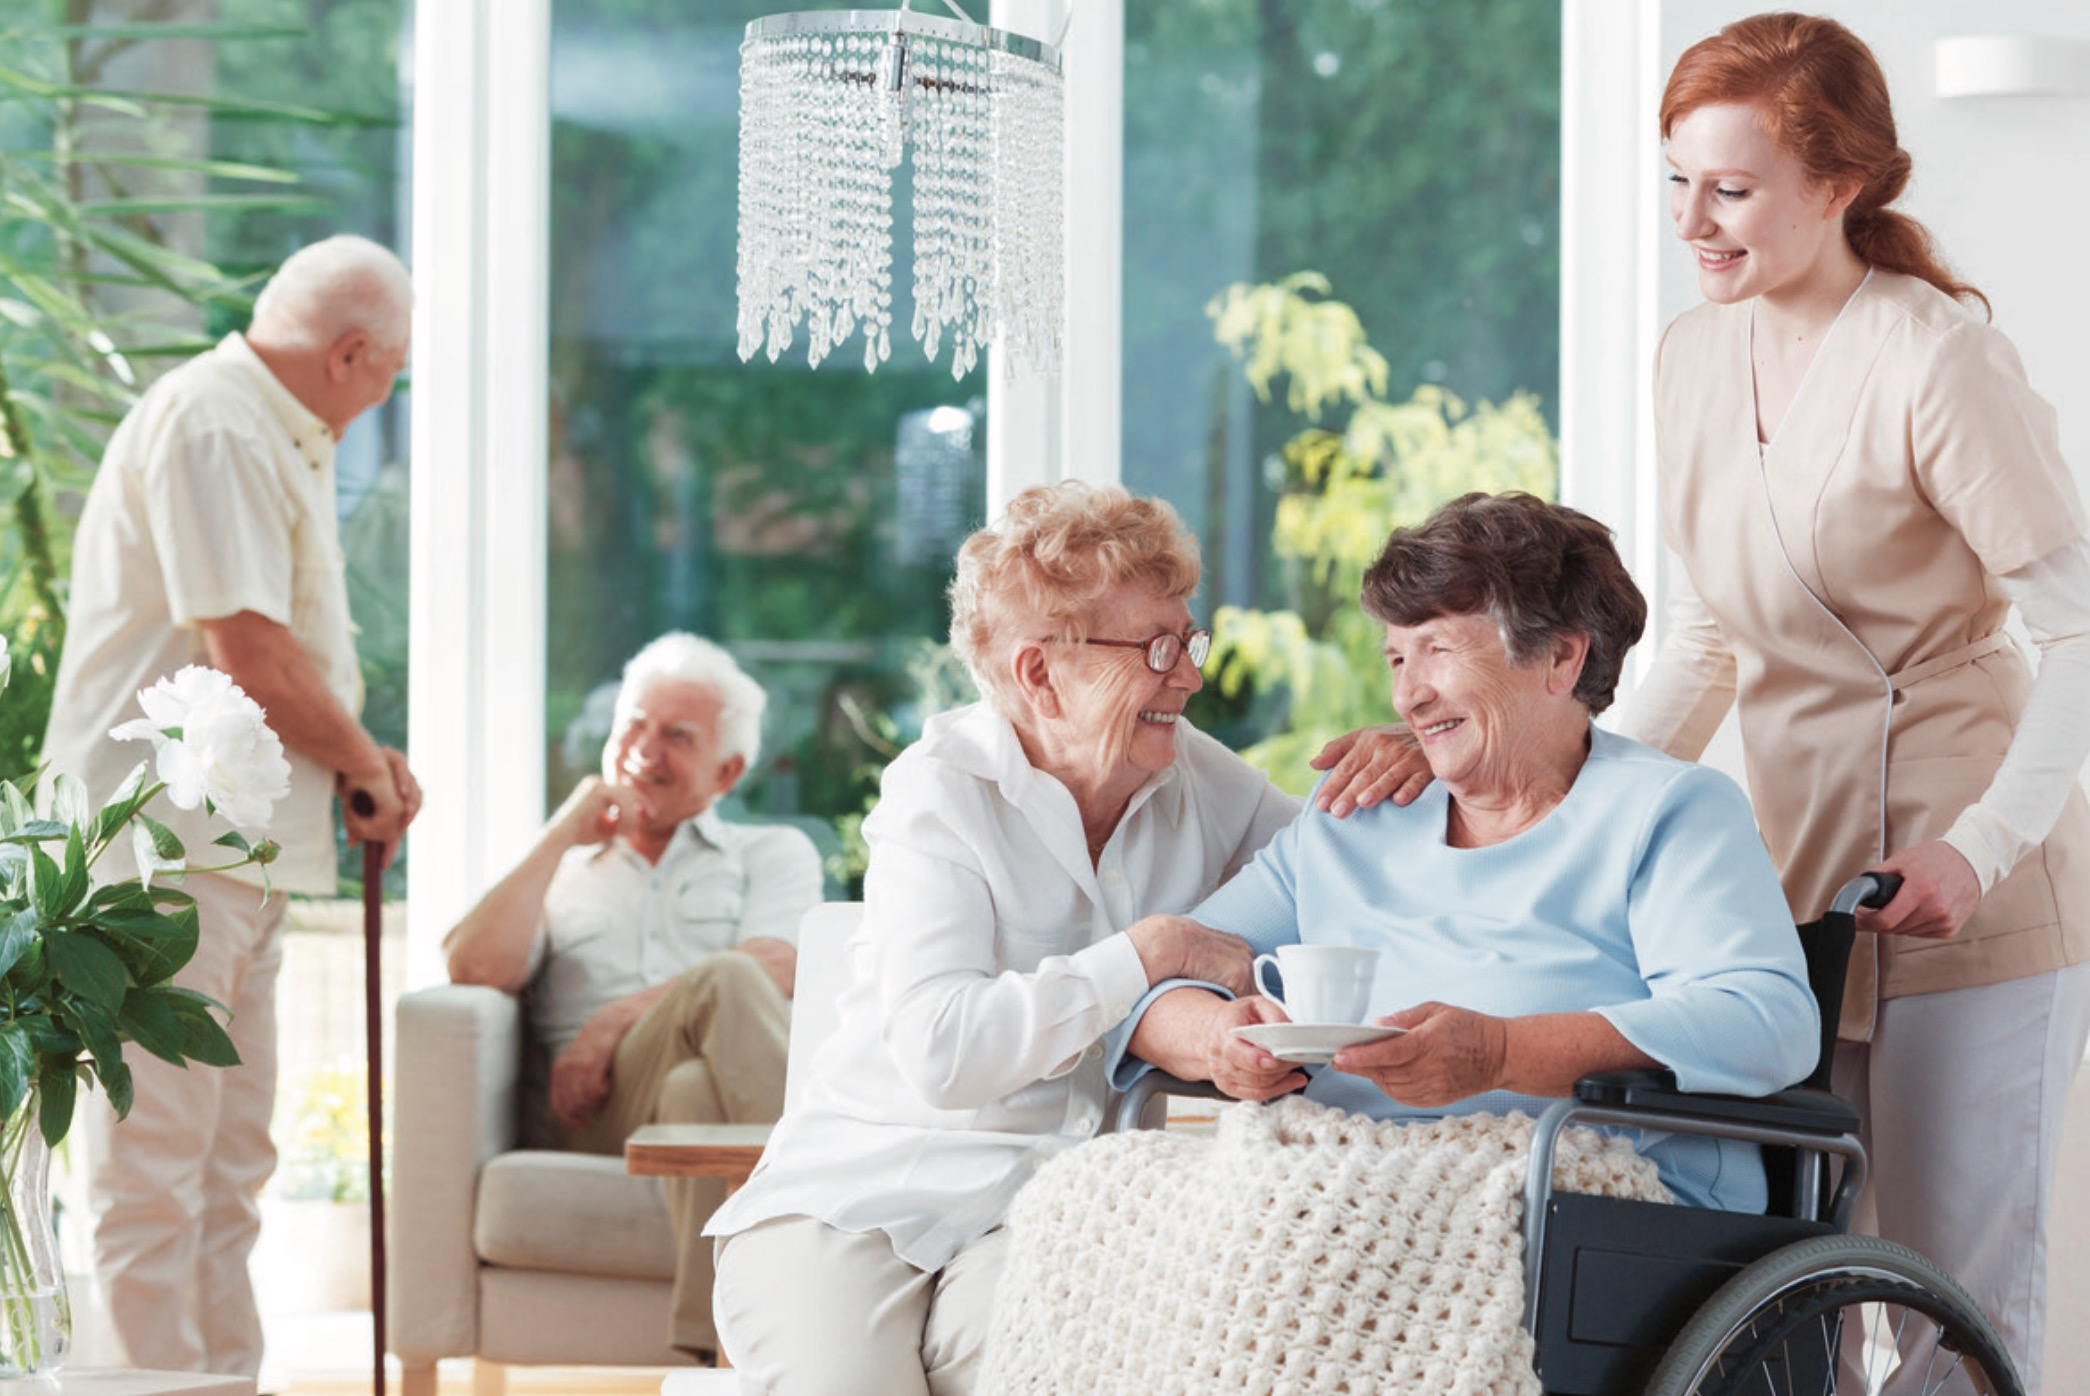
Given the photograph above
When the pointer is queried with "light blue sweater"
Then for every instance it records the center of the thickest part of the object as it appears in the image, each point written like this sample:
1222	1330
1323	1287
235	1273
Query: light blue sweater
1645	895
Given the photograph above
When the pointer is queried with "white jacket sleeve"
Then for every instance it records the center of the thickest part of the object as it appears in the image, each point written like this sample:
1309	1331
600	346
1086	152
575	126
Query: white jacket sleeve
1690	686
2047	751
972	1013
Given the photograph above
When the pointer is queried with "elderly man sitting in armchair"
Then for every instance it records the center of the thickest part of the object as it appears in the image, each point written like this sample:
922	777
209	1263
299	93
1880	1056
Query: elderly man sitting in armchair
654	942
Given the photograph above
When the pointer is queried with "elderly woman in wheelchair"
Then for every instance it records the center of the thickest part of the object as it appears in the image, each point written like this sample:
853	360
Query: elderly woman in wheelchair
1562	902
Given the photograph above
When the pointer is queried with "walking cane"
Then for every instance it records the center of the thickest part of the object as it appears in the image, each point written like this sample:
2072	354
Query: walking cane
373	1021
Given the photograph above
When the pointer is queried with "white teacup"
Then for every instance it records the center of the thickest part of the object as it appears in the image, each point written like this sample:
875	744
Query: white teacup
1322	983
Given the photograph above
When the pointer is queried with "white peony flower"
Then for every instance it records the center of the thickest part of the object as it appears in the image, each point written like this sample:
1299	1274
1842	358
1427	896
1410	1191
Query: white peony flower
213	745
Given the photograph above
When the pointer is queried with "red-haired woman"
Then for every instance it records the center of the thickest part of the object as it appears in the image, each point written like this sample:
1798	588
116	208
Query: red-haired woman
1860	483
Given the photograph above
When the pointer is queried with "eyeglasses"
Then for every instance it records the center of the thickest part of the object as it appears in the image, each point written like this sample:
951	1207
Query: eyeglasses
1164	650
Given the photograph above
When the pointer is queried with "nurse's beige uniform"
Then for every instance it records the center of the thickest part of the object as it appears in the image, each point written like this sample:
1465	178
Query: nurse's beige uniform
1849	568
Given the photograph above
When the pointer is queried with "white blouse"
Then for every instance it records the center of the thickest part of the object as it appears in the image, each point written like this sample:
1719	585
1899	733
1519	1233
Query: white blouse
990	966
1692	684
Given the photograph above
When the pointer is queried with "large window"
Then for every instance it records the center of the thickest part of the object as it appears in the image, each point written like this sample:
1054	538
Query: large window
804	518
1408	151
139	224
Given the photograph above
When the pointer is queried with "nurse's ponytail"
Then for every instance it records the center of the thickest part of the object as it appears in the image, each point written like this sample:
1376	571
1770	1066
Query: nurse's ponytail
1823	101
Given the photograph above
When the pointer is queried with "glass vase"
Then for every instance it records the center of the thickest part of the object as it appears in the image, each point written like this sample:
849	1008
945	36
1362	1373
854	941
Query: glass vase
36	1323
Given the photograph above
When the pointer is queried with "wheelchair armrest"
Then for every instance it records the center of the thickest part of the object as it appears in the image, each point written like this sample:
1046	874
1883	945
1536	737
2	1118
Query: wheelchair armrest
1652	1088
1129	1110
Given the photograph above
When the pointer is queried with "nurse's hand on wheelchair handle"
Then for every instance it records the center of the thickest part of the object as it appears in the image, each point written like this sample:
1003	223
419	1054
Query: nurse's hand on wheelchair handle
1938	893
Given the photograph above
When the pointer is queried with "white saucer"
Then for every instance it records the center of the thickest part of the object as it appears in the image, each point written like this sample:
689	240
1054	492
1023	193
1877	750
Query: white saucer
1311	1043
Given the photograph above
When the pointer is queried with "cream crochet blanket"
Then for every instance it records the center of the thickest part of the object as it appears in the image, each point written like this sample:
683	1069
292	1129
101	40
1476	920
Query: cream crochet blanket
1301	1250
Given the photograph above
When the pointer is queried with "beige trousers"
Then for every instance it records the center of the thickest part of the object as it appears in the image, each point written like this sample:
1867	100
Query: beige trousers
1964	1094
175	1188
710	1052
809	1310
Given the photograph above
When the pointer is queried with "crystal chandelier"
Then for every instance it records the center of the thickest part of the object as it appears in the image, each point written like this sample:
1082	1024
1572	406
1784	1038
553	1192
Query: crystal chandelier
829	103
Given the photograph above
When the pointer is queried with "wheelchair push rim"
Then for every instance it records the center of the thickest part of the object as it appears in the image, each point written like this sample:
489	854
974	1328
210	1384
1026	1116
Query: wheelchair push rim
1776	1328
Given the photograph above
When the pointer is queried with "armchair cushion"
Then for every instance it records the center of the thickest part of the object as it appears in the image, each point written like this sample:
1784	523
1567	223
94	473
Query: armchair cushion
577	1214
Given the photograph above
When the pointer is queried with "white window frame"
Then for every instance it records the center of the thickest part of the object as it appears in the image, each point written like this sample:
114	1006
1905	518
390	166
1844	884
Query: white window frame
481	258
476	604
1610	236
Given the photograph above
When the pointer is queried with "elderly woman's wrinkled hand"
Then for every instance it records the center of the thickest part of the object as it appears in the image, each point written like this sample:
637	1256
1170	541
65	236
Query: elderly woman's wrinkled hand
1446	1055
1176	947
1241	1069
1370	765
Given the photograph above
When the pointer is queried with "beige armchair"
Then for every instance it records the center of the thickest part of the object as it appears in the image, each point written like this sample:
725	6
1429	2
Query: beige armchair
526	1256
500	1253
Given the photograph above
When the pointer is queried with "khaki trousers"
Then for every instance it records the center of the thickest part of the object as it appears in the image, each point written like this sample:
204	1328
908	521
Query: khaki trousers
809	1310
710	1052
175	1188
1964	1094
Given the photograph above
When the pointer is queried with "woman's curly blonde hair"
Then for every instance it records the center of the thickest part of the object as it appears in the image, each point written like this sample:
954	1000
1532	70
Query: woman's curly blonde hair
1042	569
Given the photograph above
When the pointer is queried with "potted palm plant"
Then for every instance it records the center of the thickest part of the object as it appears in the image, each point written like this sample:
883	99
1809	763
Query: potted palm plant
87	966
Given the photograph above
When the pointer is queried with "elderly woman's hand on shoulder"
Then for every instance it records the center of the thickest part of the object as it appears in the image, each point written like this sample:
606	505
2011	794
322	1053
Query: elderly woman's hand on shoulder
1176	947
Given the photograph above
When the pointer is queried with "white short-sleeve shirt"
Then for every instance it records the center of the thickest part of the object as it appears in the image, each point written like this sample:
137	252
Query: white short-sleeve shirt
215	496
615	924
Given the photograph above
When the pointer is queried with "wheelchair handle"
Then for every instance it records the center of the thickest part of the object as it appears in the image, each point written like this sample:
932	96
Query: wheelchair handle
1869	889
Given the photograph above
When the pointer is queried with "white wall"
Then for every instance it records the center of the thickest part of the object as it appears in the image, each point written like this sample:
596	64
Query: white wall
2004	182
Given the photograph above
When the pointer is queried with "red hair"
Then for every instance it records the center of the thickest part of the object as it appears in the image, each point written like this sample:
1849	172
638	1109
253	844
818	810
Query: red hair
1823	101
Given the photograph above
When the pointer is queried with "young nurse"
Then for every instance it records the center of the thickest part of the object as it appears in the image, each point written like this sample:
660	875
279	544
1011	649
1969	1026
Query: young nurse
1860	483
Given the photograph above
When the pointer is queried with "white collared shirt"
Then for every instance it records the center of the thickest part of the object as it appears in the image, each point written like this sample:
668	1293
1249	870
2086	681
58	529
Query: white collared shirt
990	965
215	496
615	924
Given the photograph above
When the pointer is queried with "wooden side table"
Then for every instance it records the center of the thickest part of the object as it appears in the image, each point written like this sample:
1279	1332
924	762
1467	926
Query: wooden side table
696	1151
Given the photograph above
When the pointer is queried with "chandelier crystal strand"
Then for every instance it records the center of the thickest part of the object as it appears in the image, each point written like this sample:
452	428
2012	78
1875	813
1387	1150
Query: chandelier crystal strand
830	104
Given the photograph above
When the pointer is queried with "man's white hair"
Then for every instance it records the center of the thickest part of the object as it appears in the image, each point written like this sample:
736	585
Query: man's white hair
684	657
334	287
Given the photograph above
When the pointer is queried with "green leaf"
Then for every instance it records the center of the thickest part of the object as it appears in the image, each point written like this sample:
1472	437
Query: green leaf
17	1067
149	1021
29	973
76	882
15	939
58	1085
142	923
235	840
116	1081
46	884
202	1039
164	842
37	831
160	958
69	802
87	967
203	203
220	169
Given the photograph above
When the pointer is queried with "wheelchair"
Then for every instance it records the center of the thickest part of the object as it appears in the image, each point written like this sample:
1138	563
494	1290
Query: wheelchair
1624	1297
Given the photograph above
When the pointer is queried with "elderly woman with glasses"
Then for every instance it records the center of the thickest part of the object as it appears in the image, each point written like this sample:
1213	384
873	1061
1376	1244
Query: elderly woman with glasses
1561	900
1013	849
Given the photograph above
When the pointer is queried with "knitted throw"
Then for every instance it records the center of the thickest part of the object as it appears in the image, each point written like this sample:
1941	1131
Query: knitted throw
1300	1250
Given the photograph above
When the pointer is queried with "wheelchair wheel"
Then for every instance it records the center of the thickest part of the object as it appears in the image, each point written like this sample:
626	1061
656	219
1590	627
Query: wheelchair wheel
1776	1329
